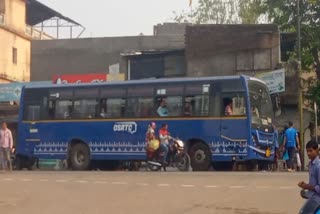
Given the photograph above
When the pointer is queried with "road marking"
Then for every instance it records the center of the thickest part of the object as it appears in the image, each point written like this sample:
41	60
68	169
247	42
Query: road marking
187	185
263	187
8	179
287	187
26	179
142	184
43	180
163	185
119	183
100	182
82	182
211	186
236	187
61	181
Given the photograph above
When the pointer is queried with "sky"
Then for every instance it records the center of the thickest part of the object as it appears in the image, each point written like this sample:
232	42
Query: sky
103	18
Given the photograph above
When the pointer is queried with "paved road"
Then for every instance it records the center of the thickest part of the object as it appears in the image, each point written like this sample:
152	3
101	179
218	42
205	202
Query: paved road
147	192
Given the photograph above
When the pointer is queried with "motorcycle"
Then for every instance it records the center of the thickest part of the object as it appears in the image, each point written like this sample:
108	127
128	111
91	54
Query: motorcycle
177	157
310	206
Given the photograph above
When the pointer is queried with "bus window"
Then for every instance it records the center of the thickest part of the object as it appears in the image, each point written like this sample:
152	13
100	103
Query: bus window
35	104
196	101
33	112
233	105
139	107
170	106
63	109
196	105
85	108
114	108
169	100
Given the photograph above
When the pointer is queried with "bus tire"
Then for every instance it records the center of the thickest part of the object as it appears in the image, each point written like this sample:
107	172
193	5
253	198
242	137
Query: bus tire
200	156
80	157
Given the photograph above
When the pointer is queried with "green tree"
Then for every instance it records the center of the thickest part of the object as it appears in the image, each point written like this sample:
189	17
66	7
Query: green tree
284	13
251	11
223	12
211	12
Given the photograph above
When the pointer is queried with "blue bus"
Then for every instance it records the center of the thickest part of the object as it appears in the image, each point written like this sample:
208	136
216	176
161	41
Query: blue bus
221	119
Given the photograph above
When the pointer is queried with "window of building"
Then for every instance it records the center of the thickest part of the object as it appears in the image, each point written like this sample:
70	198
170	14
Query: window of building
15	56
2	7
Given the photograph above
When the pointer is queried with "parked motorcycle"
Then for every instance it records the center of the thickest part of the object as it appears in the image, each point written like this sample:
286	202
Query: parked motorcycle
310	206
177	157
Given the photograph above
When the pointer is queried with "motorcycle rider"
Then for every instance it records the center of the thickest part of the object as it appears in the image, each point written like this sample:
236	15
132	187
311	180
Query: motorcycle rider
311	190
150	135
164	137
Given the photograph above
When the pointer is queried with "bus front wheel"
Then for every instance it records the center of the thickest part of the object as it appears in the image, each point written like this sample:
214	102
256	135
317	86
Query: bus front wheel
200	157
80	157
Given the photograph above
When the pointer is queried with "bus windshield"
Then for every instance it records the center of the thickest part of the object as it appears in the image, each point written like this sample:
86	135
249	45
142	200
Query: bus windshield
260	105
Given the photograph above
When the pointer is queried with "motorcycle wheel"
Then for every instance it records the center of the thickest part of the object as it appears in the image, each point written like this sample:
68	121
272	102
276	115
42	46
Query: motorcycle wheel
182	162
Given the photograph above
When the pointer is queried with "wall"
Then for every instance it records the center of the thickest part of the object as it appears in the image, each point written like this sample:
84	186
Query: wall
9	70
12	35
91	55
231	49
16	15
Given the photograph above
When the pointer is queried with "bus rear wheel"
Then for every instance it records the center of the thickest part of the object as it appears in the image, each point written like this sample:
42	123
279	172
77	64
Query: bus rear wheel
200	157
80	157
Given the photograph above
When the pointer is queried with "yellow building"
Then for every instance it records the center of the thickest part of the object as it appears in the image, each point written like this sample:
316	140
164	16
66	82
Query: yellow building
15	43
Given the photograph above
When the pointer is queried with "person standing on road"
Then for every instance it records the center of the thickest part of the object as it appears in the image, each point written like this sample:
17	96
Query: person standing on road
6	145
291	144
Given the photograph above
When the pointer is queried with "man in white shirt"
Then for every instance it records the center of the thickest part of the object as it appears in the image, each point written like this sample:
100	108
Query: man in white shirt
6	145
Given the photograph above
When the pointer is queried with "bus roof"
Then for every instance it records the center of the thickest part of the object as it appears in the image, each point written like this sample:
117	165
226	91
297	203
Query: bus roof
143	81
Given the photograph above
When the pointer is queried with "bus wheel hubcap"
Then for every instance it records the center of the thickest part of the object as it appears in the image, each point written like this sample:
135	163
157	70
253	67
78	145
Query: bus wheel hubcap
200	156
80	157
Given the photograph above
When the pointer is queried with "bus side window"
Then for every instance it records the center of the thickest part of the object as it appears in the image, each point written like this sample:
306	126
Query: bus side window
171	106
114	108
196	102
63	109
51	109
233	105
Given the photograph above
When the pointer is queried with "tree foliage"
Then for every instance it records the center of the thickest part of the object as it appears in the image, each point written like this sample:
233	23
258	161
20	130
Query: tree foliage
284	13
223	12
251	11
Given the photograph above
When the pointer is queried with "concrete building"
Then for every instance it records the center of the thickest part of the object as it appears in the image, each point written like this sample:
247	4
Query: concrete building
93	55
213	50
15	45
18	21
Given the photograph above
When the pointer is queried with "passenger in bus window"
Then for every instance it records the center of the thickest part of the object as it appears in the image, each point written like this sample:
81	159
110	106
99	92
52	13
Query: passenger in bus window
103	113
162	109
187	108
67	114
228	107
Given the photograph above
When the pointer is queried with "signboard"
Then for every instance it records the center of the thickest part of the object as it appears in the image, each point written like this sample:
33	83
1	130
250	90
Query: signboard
12	91
275	80
79	78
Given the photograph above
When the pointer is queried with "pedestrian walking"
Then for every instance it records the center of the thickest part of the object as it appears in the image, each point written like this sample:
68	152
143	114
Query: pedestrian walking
6	145
291	144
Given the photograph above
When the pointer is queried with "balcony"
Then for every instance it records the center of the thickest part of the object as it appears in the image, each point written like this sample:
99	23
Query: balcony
36	34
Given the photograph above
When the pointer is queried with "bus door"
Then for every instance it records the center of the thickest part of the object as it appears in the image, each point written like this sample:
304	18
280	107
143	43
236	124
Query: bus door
233	125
